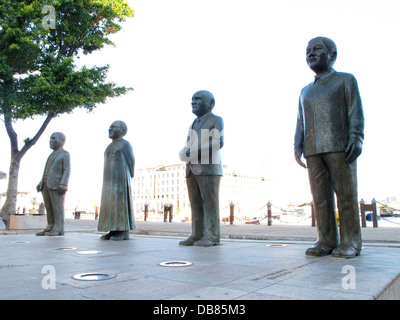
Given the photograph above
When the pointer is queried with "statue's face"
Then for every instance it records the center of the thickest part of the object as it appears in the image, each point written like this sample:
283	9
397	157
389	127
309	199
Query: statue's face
317	56
55	141
115	131
200	104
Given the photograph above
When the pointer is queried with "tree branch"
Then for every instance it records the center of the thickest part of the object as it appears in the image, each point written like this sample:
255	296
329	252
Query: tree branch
31	142
11	134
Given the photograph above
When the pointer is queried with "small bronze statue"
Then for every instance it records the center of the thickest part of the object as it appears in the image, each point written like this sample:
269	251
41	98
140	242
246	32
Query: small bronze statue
116	208
203	171
330	134
54	185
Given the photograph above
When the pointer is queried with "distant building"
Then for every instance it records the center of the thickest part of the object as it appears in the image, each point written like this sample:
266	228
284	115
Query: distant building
167	185
391	199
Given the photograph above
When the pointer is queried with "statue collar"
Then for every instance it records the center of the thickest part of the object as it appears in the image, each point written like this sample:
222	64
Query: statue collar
325	75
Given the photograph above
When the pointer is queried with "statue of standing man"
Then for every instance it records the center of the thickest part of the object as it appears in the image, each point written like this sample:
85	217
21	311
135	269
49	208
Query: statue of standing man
116	208
204	170
330	133
54	185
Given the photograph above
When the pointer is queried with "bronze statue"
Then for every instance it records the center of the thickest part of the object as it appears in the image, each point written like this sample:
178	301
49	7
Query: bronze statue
329	134
203	171
116	208
54	185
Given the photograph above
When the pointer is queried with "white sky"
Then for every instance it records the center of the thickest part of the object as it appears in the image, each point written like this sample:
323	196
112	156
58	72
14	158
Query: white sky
251	55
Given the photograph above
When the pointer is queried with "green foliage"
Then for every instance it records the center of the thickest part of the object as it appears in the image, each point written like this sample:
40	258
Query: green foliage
38	75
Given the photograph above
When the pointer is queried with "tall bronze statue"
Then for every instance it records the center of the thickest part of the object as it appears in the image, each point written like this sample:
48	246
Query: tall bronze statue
116	208
203	171
54	185
329	134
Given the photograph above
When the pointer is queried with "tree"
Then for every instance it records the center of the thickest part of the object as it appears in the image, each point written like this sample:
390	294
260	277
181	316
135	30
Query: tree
39	43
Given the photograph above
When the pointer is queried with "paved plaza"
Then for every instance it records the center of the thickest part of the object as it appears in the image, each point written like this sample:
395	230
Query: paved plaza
271	265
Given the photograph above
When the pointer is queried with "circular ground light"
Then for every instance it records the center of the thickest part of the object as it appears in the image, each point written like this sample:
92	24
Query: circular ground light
93	276
89	252
276	245
66	248
175	264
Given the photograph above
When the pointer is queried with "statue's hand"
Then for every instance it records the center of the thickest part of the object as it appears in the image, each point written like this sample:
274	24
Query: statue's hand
297	156
184	154
353	150
62	189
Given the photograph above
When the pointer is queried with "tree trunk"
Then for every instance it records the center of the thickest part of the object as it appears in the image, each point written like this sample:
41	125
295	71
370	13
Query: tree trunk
10	204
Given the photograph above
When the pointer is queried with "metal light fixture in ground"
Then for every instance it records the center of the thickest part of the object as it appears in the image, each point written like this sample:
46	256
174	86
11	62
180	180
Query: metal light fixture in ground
175	264
93	276
88	252
276	245
66	248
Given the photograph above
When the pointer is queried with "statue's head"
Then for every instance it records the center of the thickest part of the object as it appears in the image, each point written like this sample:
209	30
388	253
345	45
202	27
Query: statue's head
321	54
57	140
117	129
202	102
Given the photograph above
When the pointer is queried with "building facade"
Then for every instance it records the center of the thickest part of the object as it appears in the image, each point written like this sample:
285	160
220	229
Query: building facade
166	185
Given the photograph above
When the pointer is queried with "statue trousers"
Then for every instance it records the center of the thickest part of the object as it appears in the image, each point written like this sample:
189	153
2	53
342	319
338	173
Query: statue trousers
204	200
329	174
54	203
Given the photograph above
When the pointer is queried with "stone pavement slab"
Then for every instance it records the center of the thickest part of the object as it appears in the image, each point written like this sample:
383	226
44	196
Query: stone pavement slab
276	232
32	268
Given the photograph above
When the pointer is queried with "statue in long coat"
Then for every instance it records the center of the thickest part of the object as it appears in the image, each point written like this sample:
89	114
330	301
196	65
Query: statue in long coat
116	208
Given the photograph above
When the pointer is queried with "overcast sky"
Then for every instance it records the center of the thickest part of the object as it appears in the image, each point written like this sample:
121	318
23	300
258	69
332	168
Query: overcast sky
251	56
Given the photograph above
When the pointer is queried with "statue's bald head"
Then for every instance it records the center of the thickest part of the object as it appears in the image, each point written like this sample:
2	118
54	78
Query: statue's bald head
202	102
57	140
61	136
207	96
117	130
122	125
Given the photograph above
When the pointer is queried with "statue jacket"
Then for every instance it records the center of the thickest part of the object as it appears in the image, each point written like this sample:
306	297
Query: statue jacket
57	170
202	151
330	112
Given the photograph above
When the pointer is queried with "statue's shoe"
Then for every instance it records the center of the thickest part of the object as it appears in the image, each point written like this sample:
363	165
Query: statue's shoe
43	233
319	250
120	235
204	242
188	242
54	233
106	236
345	252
